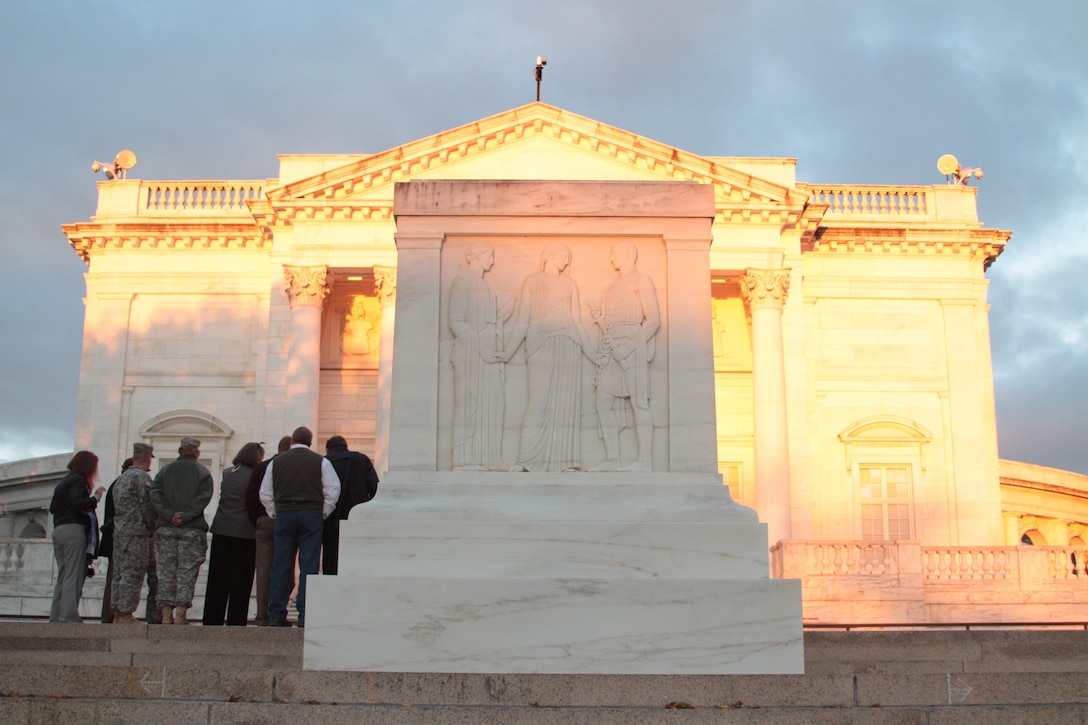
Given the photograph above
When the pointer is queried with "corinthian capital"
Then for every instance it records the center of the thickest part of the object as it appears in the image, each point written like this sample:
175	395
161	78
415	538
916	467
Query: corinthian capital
385	279
306	285
765	287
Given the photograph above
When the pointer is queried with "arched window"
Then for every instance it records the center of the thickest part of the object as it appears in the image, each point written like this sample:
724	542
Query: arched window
1032	538
33	530
165	432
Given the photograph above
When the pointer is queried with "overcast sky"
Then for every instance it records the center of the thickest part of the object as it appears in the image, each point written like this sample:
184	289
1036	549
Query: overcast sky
859	92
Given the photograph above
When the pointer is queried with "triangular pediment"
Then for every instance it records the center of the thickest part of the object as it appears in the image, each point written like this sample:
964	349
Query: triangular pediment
533	142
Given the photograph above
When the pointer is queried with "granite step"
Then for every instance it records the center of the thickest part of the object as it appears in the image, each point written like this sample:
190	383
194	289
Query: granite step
138	673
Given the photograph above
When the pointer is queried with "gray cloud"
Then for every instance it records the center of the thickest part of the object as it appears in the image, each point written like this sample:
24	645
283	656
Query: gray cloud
858	92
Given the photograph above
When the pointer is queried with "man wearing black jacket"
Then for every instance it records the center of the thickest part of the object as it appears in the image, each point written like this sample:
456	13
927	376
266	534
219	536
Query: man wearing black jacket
359	483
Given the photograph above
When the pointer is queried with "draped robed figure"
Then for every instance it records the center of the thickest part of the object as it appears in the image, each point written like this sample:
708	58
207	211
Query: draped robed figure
549	322
478	375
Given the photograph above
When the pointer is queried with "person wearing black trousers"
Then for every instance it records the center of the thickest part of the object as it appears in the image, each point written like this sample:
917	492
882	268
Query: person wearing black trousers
233	550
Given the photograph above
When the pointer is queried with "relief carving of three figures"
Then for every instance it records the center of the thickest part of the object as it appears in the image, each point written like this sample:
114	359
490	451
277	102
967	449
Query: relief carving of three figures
549	323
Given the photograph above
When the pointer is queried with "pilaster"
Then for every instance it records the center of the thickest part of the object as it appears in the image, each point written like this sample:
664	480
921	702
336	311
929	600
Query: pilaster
385	279
413	445
102	375
692	420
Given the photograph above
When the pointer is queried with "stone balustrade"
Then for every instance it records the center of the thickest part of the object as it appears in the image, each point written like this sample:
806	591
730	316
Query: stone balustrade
903	581
801	559
14	554
28	574
966	562
940	204
192	200
187	197
198	197
797	559
851	204
1005	562
871	200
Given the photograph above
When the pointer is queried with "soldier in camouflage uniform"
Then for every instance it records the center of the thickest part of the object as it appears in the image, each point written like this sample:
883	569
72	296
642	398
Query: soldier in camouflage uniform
180	493
134	524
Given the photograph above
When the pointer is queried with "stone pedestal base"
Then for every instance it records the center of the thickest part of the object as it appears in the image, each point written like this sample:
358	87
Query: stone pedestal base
545	573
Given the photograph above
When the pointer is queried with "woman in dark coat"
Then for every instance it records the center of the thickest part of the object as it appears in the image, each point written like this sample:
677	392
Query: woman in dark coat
72	501
233	554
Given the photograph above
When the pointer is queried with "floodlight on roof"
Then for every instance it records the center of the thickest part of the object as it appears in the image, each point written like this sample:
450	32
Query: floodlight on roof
122	162
949	165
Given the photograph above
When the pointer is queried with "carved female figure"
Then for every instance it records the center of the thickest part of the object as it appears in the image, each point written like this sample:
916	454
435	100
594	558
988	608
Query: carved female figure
478	375
549	322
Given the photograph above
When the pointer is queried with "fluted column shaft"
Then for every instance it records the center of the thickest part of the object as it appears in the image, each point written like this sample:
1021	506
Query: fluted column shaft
764	291
306	290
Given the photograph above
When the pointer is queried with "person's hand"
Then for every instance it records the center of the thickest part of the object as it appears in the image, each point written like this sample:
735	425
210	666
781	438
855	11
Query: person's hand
100	492
176	519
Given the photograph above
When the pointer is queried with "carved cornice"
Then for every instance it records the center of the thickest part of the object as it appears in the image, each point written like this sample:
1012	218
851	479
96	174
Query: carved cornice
289	212
765	288
86	238
809	222
306	286
982	244
776	214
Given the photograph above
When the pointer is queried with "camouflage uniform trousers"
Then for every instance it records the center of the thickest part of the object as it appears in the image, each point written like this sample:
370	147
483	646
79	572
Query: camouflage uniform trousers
152	613
131	561
178	554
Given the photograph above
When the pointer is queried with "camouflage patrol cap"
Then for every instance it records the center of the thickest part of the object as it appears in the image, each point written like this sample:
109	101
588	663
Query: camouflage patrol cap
143	449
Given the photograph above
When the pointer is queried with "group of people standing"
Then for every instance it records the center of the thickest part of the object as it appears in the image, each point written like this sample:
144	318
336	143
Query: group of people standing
268	515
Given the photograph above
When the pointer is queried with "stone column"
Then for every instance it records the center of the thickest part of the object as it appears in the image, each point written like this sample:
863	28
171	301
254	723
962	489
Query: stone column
1012	528
764	292
306	291
1056	531
385	279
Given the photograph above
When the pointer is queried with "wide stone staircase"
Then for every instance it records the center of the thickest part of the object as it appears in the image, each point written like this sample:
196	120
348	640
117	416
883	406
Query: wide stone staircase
134	673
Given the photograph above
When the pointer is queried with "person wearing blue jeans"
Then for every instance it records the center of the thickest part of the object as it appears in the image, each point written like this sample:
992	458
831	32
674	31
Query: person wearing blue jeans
299	490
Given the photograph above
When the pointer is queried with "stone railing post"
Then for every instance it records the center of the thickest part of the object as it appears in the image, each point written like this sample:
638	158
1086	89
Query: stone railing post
306	291
764	292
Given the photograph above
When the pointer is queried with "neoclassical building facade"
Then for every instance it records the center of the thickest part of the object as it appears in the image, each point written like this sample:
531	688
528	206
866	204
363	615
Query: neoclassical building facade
852	367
